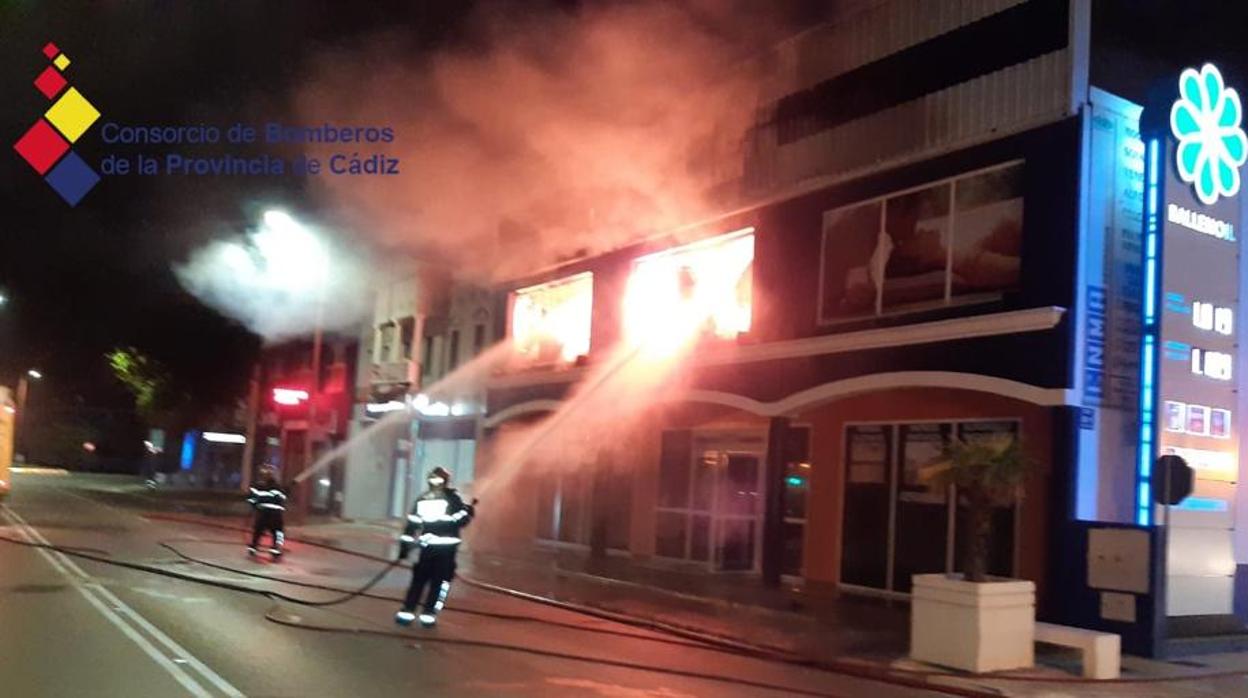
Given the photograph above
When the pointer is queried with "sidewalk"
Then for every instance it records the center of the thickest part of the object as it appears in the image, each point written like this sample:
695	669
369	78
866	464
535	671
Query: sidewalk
846	632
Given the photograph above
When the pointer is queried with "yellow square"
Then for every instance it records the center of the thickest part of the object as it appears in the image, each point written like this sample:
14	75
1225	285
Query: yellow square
72	114
61	62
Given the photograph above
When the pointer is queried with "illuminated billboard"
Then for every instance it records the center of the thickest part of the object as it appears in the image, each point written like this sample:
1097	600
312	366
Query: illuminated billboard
701	289
550	322
1189	376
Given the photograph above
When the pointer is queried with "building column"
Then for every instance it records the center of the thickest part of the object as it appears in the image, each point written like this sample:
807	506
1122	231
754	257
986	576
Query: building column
773	506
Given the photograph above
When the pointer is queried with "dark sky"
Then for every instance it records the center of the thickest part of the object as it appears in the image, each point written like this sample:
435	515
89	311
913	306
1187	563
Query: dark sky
82	280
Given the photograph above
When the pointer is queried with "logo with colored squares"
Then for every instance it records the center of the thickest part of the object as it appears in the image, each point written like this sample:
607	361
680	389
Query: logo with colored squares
46	146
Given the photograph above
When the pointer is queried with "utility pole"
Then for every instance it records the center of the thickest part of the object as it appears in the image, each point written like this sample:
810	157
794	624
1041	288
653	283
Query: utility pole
253	415
314	393
20	418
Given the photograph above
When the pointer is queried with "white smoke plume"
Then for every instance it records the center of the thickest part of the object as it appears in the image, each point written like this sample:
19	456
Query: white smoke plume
279	280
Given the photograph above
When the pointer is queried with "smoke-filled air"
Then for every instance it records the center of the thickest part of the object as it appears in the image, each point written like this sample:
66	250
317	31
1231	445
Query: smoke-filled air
544	138
279	280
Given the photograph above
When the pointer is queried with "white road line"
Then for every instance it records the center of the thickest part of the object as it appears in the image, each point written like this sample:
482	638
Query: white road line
120	612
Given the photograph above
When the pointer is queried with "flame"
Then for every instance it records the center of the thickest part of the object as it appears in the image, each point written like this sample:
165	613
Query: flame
551	321
677	295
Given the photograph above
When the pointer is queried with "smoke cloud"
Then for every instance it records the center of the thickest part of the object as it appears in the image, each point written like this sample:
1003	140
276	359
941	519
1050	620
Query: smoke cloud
542	138
280	280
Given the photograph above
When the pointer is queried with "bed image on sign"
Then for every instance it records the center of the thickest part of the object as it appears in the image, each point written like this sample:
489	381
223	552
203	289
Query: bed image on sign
986	257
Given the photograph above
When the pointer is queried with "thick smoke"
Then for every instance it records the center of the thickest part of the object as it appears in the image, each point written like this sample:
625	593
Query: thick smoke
542	138
280	280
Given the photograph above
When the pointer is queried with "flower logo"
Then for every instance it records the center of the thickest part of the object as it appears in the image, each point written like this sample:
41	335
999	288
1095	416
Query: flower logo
1212	146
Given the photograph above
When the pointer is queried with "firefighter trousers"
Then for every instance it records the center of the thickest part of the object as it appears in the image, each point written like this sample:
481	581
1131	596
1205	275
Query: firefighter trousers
271	521
434	569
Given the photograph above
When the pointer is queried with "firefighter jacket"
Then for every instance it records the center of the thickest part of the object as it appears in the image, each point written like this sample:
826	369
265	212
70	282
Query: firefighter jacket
435	521
268	498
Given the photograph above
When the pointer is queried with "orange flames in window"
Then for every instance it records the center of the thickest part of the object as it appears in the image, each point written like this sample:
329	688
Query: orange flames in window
700	289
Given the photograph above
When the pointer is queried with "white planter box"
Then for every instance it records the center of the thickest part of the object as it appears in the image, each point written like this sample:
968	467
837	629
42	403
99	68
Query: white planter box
971	626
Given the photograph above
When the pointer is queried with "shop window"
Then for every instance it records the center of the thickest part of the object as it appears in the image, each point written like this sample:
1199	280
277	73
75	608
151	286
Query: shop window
895	525
710	498
563	512
952	242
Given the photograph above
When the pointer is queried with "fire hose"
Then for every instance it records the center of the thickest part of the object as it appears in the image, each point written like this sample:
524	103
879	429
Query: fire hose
105	558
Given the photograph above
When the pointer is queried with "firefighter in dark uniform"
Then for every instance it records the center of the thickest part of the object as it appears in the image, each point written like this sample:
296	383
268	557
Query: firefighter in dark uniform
269	500
434	524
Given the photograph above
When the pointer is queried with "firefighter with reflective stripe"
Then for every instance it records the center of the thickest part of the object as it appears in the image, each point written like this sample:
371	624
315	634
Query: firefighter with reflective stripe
434	524
269	500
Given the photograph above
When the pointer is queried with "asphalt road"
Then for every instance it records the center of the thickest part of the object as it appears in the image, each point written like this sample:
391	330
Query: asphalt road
75	627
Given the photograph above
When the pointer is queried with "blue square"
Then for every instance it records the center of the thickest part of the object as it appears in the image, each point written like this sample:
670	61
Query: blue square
72	178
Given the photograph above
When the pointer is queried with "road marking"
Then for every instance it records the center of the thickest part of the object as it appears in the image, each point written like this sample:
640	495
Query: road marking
118	613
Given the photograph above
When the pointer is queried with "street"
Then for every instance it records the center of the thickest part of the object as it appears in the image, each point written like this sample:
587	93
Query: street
78	627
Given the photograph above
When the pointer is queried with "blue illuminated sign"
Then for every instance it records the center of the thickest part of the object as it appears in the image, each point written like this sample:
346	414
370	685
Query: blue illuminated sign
1205	120
1149	343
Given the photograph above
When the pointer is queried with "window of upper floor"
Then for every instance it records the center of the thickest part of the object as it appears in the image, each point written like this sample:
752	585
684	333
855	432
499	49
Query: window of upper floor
703	289
950	242
549	323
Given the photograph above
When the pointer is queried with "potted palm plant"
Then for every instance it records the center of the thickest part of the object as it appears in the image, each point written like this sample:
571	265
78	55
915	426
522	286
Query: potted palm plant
973	621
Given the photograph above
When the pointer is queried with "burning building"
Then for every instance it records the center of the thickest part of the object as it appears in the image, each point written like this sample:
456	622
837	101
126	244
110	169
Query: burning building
954	255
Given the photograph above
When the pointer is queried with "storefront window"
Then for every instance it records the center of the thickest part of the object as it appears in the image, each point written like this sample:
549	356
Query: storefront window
910	251
891	533
710	498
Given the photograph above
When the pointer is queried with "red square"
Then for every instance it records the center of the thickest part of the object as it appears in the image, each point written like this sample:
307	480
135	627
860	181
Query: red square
41	146
50	82
51	50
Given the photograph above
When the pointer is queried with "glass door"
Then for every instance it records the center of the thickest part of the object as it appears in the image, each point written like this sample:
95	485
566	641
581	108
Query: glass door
737	513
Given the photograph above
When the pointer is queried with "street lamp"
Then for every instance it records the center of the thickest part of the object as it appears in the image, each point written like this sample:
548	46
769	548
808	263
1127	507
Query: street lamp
297	262
23	388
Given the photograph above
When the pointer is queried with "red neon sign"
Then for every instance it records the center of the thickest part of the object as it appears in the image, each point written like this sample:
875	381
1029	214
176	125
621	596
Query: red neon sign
289	396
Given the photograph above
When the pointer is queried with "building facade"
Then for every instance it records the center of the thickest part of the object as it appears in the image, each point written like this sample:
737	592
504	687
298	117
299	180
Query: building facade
928	243
407	419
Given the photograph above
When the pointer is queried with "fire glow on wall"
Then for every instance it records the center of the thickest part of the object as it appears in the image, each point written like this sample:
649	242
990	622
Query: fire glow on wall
702	288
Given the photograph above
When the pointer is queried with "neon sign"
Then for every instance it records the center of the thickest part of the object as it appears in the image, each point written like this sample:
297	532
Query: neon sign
1213	364
289	396
1207	316
1211	145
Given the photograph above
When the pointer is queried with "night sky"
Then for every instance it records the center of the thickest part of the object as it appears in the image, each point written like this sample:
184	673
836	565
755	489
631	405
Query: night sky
83	280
